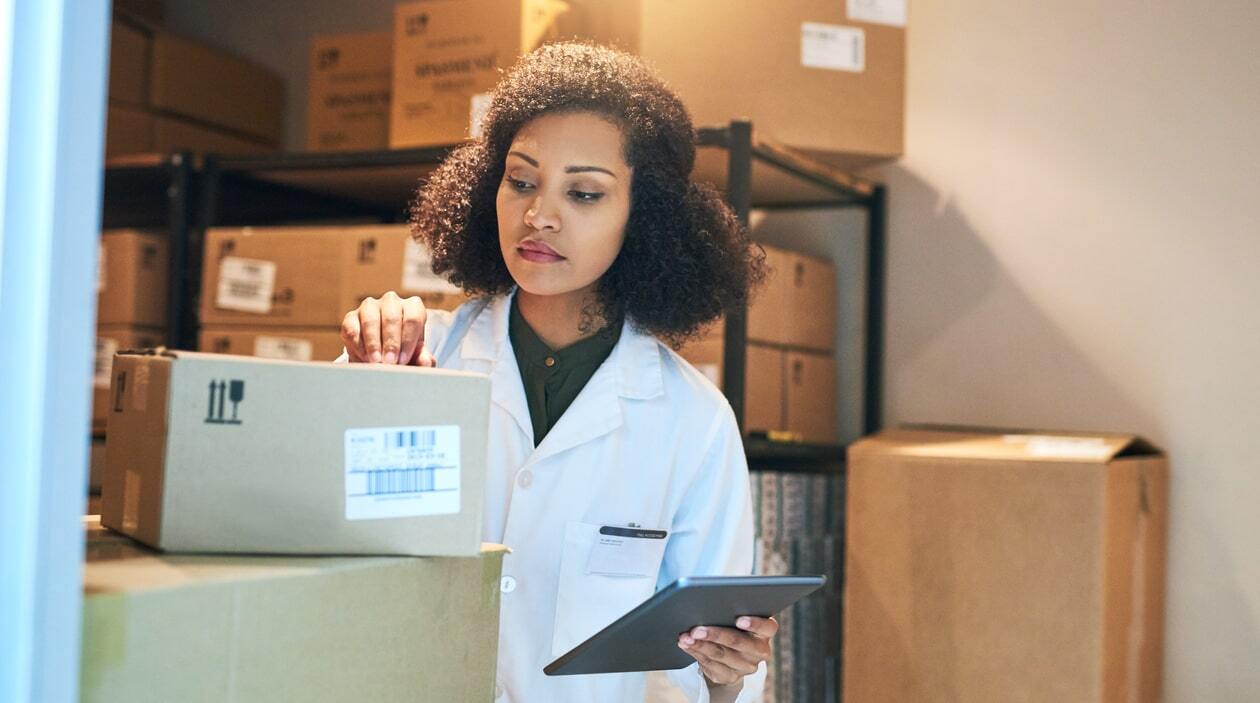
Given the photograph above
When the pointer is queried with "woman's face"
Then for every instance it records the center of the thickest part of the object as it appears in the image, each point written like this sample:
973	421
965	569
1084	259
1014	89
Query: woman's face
563	202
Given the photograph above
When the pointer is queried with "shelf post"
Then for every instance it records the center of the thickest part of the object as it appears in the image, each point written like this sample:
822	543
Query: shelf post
739	196
876	277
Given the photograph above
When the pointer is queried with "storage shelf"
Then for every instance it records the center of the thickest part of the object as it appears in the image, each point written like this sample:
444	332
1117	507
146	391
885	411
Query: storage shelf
767	455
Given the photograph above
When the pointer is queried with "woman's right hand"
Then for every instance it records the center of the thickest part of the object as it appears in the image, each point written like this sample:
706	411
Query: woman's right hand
387	330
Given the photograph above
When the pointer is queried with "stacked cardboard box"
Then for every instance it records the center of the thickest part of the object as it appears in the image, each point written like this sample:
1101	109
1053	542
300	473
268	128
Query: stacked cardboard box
169	93
348	92
789	368
132	284
282	292
1009	565
825	77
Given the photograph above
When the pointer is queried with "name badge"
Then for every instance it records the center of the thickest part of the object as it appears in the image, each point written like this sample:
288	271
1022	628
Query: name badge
626	551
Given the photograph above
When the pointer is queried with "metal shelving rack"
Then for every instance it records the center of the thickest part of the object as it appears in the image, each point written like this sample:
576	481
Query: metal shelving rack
376	186
156	191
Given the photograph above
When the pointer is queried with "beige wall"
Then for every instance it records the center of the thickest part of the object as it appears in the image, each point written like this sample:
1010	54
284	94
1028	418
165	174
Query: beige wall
1075	243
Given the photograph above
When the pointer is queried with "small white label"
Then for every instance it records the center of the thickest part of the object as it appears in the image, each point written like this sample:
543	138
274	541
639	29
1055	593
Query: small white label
396	472
891	12
245	284
418	276
103	370
289	348
100	267
625	556
477	108
833	47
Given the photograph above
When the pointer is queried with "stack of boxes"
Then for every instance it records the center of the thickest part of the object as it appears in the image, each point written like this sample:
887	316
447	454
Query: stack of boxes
790	372
281	292
169	93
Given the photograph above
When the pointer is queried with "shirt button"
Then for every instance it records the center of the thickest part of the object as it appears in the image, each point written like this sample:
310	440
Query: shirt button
507	584
550	361
526	479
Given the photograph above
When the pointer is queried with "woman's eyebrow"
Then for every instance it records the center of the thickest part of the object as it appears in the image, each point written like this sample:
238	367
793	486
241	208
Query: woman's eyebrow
571	169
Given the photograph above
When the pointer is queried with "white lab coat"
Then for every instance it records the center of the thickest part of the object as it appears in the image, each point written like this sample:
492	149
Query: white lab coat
650	441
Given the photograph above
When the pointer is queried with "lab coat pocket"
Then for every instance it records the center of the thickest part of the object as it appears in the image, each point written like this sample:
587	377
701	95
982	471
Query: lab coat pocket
587	600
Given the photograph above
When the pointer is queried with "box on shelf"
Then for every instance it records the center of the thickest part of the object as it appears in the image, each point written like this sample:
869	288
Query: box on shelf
229	454
199	82
1004	563
129	49
796	305
176	134
128	130
111	339
312	276
448	56
809	404
348	89
169	627
826	77
763	378
132	281
292	343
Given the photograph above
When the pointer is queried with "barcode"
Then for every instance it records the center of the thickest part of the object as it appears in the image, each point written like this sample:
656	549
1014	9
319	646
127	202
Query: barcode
412	439
244	289
388	481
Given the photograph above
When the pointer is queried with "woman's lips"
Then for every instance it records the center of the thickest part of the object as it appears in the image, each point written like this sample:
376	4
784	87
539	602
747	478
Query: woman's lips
538	252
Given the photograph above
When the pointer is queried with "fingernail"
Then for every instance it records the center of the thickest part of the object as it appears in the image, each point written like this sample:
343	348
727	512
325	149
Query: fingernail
391	357
376	357
687	641
700	633
682	645
744	623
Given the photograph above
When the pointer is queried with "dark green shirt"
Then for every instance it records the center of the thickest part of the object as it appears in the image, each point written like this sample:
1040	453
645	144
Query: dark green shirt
552	378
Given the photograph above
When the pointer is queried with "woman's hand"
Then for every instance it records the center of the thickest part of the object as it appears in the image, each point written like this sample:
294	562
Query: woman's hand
388	330
727	654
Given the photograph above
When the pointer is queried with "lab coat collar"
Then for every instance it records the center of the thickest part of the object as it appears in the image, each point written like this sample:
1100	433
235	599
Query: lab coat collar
632	370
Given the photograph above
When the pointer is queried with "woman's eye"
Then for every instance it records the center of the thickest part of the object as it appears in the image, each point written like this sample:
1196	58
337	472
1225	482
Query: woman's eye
519	184
585	196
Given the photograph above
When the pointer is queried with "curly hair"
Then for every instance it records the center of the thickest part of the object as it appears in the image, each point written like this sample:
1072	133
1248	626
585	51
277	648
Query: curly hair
685	259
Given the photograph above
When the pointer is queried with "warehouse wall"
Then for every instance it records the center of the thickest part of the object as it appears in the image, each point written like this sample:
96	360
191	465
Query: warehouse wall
1074	243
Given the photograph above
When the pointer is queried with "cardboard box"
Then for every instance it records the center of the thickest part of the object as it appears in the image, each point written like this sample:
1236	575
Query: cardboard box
229	454
1003	566
763	378
160	627
312	276
809	404
292	343
347	94
133	278
129	49
806	72
96	472
111	339
175	134
448	56
203	83
128	130
796	305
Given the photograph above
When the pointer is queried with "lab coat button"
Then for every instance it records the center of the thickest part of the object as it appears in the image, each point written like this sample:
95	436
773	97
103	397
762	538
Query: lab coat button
507	584
526	479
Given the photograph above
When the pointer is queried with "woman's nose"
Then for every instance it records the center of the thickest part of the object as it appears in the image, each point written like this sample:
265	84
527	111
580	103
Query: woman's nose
541	216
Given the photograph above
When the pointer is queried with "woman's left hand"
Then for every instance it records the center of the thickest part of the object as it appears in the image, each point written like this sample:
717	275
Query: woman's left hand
727	654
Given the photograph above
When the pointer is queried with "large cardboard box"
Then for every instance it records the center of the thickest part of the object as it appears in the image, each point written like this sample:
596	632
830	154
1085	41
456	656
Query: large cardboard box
292	343
824	76
347	94
1000	566
162	627
213	453
129	49
448	57
312	276
200	82
796	305
128	130
111	339
132	281
809	396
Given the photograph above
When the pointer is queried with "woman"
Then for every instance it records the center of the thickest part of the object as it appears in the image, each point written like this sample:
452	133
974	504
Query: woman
574	222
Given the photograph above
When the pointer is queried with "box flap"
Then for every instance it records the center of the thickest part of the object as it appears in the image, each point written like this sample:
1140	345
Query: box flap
1004	445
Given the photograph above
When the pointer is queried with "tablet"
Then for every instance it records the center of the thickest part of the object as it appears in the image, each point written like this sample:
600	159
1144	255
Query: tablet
646	638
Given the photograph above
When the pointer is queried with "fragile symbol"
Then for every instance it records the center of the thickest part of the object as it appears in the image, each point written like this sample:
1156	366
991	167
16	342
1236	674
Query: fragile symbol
220	392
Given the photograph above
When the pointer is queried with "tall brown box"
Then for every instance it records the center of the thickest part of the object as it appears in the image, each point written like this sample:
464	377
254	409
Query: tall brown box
811	302
820	79
132	282
992	566
809	396
197	81
448	56
347	92
111	339
311	276
291	343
